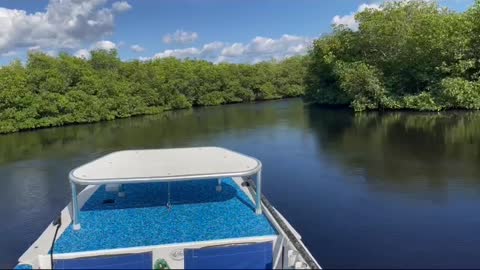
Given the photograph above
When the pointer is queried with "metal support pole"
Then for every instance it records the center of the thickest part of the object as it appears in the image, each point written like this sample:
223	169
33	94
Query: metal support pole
168	196
121	191
75	210
258	202
219	186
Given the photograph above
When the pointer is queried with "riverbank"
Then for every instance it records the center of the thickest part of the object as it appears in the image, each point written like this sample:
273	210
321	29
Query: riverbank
156	114
56	91
430	64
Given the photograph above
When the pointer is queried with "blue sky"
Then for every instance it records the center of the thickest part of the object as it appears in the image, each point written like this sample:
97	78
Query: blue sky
216	30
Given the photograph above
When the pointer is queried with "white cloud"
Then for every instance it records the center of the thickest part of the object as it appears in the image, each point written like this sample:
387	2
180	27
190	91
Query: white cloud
9	54
82	53
298	49
257	50
34	48
212	47
104	45
349	20
181	37
121	6
137	48
52	53
100	45
179	53
236	49
65	24
262	45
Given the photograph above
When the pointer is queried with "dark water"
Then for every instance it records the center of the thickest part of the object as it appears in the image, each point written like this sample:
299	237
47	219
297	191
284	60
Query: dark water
390	190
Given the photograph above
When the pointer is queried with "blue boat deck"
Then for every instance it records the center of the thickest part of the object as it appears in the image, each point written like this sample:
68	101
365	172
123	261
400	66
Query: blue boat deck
198	213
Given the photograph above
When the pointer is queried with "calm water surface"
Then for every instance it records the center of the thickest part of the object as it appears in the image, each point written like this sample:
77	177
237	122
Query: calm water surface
371	190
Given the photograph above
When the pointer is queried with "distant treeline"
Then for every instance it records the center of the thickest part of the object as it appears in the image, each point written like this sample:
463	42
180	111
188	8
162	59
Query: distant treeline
54	91
404	55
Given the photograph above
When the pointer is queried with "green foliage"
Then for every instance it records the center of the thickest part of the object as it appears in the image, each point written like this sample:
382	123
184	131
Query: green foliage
423	101
211	99
180	102
267	91
407	54
460	93
361	84
54	91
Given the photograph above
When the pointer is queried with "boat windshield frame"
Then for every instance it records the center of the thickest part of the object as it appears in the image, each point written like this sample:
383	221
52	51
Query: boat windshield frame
142	166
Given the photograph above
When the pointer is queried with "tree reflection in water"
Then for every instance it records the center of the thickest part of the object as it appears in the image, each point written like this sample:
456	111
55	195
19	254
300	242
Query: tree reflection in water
402	150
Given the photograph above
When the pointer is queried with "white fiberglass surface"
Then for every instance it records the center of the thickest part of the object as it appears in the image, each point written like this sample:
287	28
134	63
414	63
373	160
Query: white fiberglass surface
166	164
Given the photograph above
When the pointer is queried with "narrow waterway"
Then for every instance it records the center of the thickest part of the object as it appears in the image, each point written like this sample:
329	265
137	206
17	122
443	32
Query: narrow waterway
371	190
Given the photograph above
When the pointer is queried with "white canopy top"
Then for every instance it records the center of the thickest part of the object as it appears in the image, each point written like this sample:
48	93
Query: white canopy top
178	164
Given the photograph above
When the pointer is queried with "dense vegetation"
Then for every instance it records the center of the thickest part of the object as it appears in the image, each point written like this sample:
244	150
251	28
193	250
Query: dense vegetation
54	91
404	55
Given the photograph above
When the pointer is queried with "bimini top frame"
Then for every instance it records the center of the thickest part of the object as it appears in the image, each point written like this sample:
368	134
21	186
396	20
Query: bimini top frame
164	165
